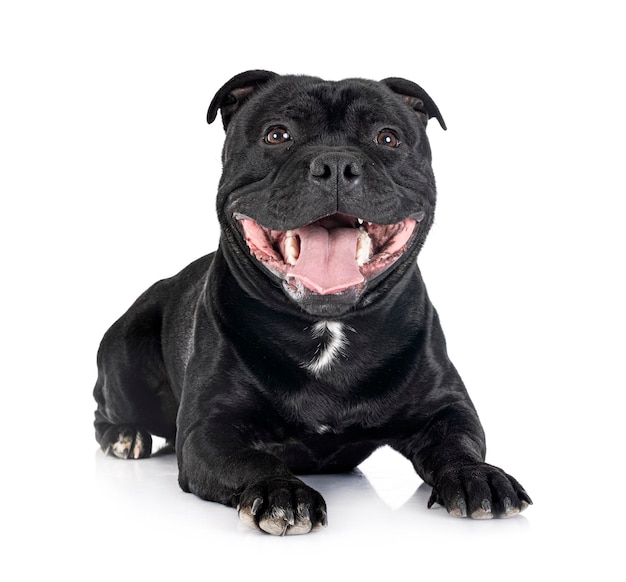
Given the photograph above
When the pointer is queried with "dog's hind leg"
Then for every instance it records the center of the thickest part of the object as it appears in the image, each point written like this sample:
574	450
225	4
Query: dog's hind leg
133	393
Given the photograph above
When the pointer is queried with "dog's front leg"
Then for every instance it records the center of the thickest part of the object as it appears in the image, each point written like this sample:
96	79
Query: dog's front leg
449	454
218	464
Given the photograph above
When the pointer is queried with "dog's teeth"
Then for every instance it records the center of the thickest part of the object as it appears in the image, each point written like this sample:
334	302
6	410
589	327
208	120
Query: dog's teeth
359	220
363	247
291	248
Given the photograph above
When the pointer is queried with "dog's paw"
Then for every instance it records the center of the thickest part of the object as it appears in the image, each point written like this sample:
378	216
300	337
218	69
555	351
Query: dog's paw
479	491
282	507
126	442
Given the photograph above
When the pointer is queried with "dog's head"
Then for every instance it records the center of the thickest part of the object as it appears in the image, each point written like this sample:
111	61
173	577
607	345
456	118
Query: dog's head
327	187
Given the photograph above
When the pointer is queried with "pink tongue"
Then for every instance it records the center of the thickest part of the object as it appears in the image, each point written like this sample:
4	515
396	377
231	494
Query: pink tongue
327	262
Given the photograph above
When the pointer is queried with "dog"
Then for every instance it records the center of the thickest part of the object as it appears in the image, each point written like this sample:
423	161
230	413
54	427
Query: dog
307	340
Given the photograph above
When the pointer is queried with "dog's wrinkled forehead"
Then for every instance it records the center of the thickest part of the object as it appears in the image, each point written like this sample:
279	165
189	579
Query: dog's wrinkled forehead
303	98
329	103
329	112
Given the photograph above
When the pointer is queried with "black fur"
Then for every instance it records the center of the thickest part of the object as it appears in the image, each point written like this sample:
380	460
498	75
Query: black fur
215	358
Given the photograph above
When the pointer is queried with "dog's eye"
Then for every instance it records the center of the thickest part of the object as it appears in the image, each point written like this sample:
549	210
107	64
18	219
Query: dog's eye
388	138
277	135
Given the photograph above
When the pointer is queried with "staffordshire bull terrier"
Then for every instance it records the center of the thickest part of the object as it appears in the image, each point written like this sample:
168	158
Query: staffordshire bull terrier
307	340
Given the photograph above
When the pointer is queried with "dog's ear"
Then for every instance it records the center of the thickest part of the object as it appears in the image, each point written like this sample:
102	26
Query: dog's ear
416	98
235	93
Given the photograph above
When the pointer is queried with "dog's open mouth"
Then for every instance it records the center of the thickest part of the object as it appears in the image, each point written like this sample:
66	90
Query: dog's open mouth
330	255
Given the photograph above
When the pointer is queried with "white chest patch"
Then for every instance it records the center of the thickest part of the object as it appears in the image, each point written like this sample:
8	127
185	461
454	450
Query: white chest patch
333	343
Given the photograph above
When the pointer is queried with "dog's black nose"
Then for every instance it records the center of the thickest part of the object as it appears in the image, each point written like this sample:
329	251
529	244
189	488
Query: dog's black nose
336	170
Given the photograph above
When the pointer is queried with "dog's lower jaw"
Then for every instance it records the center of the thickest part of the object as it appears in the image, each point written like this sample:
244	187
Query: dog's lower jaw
325	306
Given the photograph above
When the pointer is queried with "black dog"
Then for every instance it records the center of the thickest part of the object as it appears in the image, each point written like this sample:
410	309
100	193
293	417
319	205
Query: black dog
307	340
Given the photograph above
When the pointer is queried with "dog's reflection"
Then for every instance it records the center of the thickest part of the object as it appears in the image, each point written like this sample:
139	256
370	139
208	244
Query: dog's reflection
383	494
155	480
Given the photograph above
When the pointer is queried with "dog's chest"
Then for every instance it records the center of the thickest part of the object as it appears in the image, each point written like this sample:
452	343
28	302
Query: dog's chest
329	399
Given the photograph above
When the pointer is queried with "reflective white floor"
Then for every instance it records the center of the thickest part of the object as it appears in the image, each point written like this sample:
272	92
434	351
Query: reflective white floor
101	518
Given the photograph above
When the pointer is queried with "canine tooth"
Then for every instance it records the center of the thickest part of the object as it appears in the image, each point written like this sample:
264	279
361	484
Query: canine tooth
363	247
359	220
291	248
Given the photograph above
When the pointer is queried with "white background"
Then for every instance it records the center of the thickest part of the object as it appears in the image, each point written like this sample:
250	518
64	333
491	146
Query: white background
108	177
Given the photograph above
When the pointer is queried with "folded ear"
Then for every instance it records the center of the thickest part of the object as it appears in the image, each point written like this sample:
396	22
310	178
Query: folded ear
235	93
416	98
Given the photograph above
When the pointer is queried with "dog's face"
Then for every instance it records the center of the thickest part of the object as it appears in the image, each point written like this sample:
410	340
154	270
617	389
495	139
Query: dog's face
327	187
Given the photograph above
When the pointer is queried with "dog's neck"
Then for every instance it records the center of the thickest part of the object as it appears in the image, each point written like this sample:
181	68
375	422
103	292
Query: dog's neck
335	350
